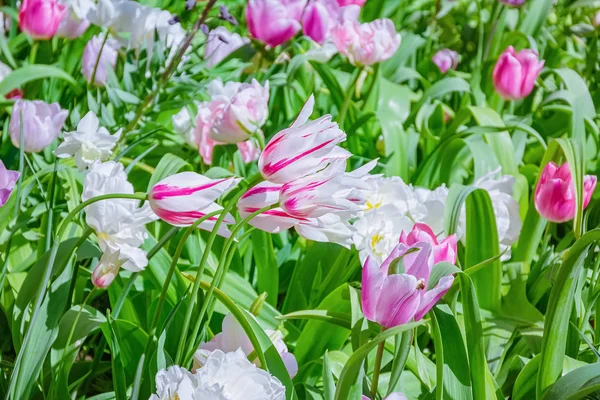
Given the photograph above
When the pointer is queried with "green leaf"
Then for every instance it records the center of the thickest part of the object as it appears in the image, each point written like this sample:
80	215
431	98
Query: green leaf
267	272
535	15
576	384
559	311
28	73
328	382
332	317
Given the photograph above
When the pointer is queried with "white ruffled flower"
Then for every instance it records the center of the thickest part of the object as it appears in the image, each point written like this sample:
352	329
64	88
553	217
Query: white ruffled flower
89	143
428	207
174	383
119	223
184	124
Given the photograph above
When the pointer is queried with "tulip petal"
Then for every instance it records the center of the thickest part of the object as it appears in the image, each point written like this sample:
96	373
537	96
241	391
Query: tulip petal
431	297
398	301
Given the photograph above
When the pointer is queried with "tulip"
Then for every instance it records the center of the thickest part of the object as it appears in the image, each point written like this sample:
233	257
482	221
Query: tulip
515	73
442	251
446	59
220	44
183	198
303	149
555	193
8	179
74	22
274	21
316	21
393	298
42	123
239	110
40	18
596	20
366	44
233	337
344	3
249	151
105	61
513	3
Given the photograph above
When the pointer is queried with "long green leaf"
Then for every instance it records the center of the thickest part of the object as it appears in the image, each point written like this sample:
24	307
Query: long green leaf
28	73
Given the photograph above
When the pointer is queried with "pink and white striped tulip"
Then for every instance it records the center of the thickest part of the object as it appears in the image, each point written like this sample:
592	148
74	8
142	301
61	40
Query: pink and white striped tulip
8	179
555	193
368	43
515	73
445	60
274	21
40	18
393	299
302	149
442	251
183	198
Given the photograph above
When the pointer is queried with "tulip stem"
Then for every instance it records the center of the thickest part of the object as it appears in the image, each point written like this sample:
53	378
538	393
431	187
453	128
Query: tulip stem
34	50
348	97
377	368
93	77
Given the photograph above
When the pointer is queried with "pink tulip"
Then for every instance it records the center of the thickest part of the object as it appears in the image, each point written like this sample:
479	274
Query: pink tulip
555	193
220	44
596	20
442	251
513	3
183	198
344	3
249	151
316	21
393	299
515	73
40	18
8	179
274	21
303	149
366	44
42	122
108	59
446	59
74	22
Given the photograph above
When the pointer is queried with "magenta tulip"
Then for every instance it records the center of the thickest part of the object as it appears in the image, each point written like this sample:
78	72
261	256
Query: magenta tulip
316	21
344	3
274	21
515	73
445	60
8	179
442	251
40	18
393	298
555	193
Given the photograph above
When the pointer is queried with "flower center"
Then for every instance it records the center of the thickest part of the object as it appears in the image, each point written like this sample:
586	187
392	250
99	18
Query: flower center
371	205
421	284
374	240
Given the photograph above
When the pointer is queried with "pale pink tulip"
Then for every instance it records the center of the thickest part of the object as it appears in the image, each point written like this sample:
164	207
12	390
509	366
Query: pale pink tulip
390	298
446	59
249	151
42	122
220	44
515	73
442	251
40	18
596	20
108	59
239	110
183	198
233	337
366	44
302	149
555	193
74	22
8	179
274	21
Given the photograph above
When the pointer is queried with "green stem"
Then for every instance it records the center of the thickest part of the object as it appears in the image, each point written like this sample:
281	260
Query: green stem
93	77
348	97
34	50
377	370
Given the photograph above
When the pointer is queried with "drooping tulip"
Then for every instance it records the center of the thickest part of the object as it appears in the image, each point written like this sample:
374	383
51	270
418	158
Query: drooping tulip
107	53
442	251
183	198
515	73
368	43
393	298
40	18
221	43
8	179
446	59
555	193
302	149
274	21
42	123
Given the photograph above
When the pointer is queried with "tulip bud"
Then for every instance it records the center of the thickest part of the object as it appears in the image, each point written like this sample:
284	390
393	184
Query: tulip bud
316	21
183	198
442	251
8	179
446	59
258	304
42	123
107	59
274	21
40	18
555	193
515	73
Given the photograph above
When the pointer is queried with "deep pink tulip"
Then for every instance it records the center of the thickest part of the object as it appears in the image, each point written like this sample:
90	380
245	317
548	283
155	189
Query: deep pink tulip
393	299
344	3
366	44
555	193
316	21
515	73
445	60
303	149
442	251
8	179
274	21
40	18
